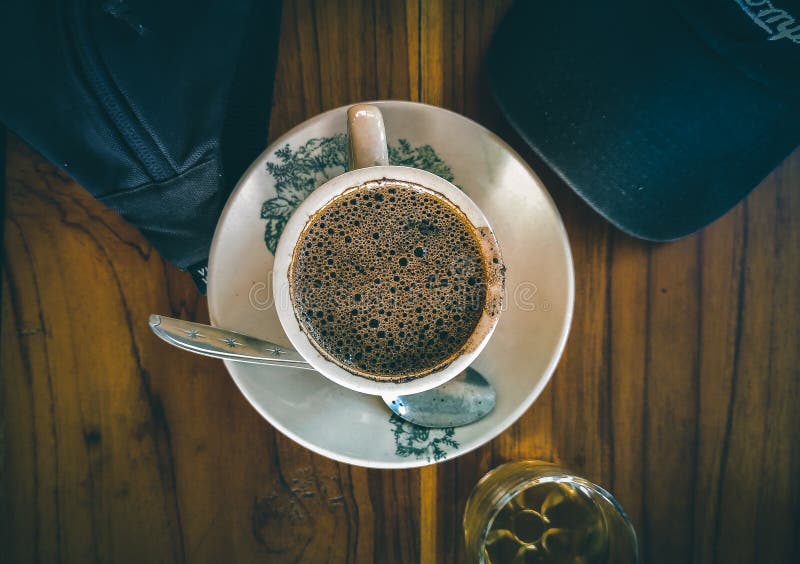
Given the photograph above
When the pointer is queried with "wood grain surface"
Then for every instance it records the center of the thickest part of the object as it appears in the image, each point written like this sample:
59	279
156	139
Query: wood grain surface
678	389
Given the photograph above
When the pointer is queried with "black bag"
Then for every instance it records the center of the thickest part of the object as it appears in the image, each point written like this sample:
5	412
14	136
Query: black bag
154	107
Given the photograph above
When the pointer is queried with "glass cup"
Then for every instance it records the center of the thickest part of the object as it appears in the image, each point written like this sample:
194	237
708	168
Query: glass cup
535	511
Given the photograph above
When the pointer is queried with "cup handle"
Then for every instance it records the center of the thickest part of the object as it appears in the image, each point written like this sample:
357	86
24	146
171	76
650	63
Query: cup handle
366	137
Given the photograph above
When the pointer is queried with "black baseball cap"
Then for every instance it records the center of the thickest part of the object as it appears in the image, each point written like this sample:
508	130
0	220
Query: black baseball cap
661	115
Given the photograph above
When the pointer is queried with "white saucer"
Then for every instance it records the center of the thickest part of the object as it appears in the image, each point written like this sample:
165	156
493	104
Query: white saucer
519	359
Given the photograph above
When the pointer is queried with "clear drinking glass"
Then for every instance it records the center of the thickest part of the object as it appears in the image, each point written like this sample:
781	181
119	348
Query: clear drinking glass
535	511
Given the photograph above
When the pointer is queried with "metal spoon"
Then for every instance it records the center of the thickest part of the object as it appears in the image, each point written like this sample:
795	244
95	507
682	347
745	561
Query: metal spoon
463	400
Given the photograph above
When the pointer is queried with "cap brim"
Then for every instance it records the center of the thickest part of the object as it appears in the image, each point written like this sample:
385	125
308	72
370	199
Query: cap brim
644	120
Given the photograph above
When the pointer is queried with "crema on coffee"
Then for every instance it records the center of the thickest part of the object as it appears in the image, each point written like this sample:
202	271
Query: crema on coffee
389	280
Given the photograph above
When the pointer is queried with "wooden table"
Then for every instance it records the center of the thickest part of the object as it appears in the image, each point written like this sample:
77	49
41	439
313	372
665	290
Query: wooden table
678	389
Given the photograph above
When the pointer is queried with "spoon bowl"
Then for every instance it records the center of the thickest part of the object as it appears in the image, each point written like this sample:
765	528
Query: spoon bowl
463	400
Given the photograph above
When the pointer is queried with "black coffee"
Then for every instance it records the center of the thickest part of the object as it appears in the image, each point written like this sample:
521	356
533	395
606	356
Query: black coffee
389	280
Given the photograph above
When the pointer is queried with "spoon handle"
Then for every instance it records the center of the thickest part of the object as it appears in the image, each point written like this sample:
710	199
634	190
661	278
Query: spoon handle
220	343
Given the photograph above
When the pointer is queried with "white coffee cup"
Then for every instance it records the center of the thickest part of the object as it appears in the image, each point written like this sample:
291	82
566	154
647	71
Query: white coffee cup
368	161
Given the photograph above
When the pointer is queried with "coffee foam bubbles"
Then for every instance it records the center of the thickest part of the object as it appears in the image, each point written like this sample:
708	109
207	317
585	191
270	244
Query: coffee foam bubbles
389	280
